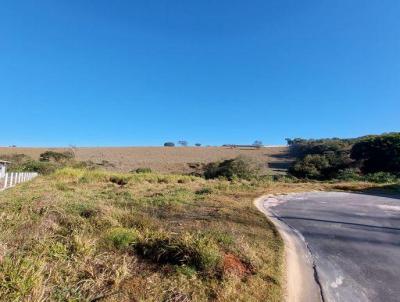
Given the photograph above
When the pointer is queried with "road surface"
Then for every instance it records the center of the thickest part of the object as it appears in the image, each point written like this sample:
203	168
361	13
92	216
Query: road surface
351	242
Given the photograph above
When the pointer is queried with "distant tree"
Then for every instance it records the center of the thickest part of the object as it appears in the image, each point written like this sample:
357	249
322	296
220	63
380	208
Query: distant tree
183	143
289	141
169	144
257	144
197	145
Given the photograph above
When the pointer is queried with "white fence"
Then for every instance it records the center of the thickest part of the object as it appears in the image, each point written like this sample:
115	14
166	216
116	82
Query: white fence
13	178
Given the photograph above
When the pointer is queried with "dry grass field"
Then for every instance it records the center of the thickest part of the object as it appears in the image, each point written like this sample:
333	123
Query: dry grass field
165	159
93	235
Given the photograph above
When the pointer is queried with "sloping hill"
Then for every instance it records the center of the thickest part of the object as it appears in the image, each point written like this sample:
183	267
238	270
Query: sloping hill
165	159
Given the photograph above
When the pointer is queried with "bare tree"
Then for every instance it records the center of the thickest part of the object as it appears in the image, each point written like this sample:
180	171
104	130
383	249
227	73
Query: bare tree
183	143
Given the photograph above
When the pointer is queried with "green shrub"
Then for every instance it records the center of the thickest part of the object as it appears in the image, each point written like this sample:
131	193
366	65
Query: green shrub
337	158
351	174
240	167
381	177
310	166
380	153
143	170
43	168
56	156
299	147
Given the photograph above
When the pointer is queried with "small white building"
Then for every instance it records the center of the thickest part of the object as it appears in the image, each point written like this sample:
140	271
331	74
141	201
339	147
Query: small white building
3	168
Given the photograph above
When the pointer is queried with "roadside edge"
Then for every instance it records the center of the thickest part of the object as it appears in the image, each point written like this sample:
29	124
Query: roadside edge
301	284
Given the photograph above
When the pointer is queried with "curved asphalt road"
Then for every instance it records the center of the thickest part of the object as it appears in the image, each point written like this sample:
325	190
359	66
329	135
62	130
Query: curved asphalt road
354	240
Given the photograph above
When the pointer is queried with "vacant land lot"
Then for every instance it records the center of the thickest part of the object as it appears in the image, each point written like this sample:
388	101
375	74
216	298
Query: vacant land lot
162	159
92	235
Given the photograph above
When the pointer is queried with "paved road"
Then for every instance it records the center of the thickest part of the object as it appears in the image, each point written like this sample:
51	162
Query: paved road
354	240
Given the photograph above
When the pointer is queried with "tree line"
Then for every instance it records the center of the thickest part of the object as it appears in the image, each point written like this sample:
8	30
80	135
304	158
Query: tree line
356	158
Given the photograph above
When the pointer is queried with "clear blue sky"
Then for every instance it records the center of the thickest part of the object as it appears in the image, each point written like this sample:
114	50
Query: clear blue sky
144	72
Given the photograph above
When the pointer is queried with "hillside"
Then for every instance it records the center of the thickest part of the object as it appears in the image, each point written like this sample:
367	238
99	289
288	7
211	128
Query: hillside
165	159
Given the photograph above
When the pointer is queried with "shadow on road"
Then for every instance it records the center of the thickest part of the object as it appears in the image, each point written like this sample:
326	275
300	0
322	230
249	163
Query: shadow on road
392	191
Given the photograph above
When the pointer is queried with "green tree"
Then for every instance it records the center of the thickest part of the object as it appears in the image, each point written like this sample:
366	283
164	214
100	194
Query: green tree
379	153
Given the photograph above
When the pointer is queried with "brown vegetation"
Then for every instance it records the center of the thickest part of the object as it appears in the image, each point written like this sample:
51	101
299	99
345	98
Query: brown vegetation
164	159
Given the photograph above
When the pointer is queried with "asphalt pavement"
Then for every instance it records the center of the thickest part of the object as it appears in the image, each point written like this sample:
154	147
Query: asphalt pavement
353	240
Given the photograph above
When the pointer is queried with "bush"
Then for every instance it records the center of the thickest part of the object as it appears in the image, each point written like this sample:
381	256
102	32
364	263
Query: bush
340	158
143	170
240	167
378	153
349	174
43	168
301	147
310	166
169	144
320	166
56	156
381	177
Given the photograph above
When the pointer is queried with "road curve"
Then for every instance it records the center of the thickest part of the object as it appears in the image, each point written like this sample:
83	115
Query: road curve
344	246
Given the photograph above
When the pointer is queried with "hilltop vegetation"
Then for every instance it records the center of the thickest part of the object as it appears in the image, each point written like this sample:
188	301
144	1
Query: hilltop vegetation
374	158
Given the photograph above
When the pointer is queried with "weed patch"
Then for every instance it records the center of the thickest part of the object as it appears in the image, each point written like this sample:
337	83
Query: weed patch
193	251
121	238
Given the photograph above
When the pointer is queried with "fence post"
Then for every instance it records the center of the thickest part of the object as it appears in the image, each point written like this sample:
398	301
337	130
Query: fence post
5	180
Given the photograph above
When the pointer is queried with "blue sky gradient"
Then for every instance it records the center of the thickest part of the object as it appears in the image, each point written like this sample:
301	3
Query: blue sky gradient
93	73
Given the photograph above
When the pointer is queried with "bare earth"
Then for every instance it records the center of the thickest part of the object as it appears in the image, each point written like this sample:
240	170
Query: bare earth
166	159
